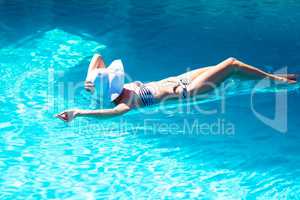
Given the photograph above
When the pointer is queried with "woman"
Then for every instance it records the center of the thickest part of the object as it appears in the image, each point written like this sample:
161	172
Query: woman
137	94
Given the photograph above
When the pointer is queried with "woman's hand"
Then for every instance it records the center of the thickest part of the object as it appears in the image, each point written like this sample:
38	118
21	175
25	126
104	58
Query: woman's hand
89	86
68	115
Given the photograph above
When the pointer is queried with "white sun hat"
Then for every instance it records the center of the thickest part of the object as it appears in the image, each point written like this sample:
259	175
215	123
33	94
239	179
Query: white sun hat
111	80
115	78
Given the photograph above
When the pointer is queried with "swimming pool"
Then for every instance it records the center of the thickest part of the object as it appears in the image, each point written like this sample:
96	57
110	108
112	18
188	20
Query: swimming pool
234	153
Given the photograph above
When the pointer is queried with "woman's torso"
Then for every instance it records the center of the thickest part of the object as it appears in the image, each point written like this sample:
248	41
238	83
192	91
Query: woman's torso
165	89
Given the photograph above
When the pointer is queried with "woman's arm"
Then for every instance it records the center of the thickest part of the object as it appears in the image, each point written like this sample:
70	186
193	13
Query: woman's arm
118	110
96	63
71	114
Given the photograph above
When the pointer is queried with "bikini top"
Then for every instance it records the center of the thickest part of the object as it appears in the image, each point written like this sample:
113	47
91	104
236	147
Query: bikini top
145	94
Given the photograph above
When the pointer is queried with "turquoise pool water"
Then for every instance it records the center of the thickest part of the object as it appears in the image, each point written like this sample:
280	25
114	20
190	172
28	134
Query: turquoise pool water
178	152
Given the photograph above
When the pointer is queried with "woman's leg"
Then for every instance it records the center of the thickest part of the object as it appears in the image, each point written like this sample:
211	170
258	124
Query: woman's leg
191	75
96	63
255	73
212	77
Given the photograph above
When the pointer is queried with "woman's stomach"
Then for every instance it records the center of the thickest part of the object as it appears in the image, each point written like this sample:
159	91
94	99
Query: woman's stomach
162	90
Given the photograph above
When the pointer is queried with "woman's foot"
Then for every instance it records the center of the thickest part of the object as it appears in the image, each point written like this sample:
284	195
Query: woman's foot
286	80
289	78
290	81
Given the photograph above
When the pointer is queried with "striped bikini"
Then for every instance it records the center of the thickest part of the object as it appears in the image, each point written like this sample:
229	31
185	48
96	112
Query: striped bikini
183	83
146	95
